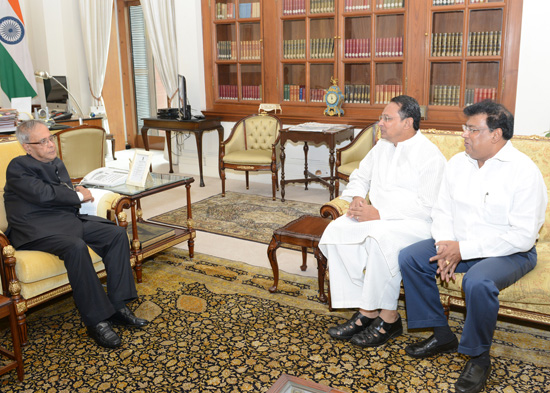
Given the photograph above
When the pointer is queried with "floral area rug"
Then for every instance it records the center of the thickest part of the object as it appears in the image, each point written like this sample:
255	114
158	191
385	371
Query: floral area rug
216	328
244	216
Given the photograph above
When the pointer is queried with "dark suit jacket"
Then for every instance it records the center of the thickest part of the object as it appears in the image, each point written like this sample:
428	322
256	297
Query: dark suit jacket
40	201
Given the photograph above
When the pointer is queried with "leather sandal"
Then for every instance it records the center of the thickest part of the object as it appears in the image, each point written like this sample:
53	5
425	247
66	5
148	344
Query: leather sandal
372	337
348	329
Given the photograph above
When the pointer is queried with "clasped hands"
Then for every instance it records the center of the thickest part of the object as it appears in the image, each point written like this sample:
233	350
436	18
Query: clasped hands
360	209
447	258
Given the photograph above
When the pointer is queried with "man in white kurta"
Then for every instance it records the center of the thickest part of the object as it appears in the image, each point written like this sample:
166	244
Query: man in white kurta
401	175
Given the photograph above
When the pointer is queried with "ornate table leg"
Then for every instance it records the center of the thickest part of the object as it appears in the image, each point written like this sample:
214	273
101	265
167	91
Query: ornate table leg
321	269
271	255
331	161
169	147
306	149
304	259
282	172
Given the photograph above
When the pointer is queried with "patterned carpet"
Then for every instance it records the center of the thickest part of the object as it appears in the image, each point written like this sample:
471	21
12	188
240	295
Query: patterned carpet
243	216
216	328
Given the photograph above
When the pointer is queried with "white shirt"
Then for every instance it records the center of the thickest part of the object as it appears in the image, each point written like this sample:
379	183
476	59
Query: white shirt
495	210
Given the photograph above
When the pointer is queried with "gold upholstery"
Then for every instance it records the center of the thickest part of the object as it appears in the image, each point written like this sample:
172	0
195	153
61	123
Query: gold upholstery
33	277
349	157
253	145
81	149
528	298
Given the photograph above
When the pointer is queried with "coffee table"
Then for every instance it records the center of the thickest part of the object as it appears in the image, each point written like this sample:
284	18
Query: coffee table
304	232
131	199
289	384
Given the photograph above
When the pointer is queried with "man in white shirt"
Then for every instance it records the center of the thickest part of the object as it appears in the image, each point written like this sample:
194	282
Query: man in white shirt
401	174
485	223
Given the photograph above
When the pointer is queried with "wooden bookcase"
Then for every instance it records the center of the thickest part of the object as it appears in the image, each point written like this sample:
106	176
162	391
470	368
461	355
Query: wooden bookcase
445	53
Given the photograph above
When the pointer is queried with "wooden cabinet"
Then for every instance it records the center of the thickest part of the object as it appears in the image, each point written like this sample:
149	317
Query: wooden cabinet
445	53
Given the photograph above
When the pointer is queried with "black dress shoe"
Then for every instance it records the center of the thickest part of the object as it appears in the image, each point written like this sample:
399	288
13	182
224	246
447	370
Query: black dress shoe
473	378
348	329
430	347
125	317
104	335
373	337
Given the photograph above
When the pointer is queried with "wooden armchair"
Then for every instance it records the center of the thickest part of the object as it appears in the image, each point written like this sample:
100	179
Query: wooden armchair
349	157
253	145
30	278
82	149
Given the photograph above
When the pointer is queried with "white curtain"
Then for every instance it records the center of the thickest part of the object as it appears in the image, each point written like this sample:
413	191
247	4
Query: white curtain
161	31
96	17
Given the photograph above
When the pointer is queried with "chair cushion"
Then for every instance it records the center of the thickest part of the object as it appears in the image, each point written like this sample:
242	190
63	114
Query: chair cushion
346	169
261	132
256	156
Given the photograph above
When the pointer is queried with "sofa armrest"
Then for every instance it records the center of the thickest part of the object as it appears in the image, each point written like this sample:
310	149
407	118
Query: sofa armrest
335	208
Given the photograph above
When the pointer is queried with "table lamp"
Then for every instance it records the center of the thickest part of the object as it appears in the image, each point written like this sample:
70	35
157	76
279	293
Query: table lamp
46	75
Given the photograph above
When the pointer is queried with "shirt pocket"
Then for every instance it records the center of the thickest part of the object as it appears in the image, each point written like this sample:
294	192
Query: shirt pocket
496	207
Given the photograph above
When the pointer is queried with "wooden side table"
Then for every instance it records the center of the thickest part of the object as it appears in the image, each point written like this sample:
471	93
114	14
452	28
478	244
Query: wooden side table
7	309
304	232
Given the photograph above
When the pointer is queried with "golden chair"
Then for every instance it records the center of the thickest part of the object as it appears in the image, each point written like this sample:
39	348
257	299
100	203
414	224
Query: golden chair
349	157
82	149
30	278
253	145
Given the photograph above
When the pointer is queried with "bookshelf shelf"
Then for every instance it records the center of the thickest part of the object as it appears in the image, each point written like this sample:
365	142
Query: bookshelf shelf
425	49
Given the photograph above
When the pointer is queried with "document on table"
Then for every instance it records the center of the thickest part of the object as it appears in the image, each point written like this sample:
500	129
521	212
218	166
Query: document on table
317	127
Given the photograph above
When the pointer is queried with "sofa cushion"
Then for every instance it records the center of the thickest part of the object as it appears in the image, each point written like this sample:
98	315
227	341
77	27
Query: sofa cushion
250	157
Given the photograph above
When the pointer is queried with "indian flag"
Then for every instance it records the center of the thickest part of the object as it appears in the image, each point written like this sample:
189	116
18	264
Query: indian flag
16	70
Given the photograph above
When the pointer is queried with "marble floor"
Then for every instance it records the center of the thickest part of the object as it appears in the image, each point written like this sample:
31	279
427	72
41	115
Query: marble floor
227	247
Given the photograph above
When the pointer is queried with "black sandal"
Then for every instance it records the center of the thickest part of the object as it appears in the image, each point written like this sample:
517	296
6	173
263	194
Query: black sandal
347	330
372	337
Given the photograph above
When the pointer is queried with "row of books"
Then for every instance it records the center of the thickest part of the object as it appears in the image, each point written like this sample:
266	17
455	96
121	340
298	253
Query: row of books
228	92
8	120
322	48
384	93
294	49
477	94
249	10
321	6
225	10
450	2
294	93
357	94
356	5
251	50
227	50
252	92
445	95
389	47
317	95
389	4
446	44
484	43
294	7
357	48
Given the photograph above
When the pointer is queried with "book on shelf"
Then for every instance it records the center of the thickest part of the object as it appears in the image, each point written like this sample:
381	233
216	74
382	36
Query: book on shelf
252	92
249	10
321	6
294	49
356	5
384	93
317	95
484	43
357	48
149	234
451	2
357	94
228	92
294	92
322	48
477	94
446	44
225	10
294	7
250	50
226	50
445	95
389	47
389	4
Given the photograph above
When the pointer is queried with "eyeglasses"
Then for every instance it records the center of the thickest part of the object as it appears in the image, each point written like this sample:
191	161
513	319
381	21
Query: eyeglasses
44	141
473	130
385	118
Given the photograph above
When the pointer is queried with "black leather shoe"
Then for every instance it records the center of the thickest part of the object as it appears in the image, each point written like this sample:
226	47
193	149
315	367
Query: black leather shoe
430	347
104	335
473	378
373	337
125	317
348	329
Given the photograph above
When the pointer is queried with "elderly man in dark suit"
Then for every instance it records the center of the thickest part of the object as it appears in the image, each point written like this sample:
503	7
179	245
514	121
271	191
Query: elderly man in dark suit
42	209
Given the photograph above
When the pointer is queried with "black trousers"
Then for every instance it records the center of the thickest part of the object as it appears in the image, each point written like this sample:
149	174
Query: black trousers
111	243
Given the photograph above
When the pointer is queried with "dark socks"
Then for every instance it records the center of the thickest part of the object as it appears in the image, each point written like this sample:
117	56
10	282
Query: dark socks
443	334
483	360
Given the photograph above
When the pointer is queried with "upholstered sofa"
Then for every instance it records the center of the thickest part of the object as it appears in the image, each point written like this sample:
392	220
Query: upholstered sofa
529	298
30	278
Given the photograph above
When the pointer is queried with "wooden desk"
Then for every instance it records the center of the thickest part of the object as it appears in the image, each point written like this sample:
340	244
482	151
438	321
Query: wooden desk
196	126
7	309
330	137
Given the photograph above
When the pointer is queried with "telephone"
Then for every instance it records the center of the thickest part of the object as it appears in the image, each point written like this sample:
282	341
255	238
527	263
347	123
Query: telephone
105	177
60	115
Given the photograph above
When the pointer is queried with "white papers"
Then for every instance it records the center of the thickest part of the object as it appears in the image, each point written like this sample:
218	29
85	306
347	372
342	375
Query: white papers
91	207
319	127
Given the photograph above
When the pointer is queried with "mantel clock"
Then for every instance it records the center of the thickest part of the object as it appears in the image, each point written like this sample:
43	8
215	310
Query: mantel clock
334	99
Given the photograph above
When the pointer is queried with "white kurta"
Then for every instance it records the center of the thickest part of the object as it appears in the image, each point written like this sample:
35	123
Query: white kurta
402	183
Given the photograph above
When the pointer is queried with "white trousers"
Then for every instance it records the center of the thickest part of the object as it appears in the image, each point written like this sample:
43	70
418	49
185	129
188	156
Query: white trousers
360	276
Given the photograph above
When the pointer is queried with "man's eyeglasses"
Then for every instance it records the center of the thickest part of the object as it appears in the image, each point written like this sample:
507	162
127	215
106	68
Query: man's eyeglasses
44	141
473	130
385	118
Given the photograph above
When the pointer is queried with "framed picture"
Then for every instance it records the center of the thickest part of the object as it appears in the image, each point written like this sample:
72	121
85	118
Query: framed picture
139	168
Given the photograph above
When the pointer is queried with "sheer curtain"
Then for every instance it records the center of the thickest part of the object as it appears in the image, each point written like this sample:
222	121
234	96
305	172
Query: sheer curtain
161	30
96	18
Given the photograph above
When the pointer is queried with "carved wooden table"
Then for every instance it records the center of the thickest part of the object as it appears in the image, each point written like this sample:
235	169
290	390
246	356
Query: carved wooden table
7	309
304	232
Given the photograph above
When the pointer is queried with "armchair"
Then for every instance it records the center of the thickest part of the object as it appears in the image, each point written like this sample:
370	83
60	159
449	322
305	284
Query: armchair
30	278
253	145
349	157
82	149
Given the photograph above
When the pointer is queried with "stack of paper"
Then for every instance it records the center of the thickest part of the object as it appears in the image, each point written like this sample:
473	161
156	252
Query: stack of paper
8	119
318	127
